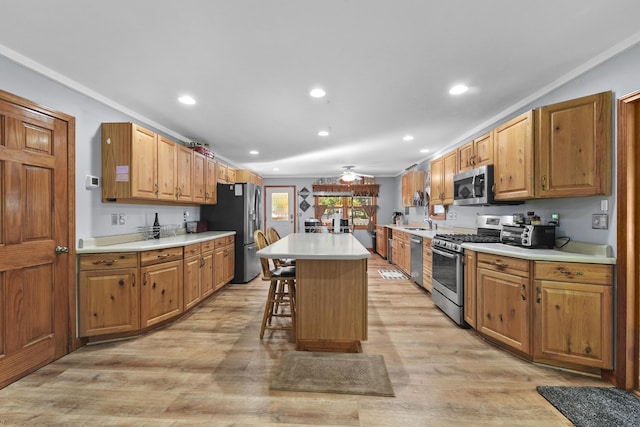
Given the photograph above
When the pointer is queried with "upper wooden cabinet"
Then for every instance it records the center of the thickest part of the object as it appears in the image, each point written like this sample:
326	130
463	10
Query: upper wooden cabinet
476	153
573	147
167	177
184	168
199	177
247	175
442	171
211	182
412	183
513	158
226	174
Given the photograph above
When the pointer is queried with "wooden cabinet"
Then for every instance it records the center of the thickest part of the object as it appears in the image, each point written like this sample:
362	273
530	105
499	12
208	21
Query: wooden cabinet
161	290
402	251
476	153
412	183
224	261
442	171
470	298
503	306
199	177
381	240
167	179
184	173
226	174
207	284
108	295
573	147
192	269
247	175
574	313
513	158
426	263
211	182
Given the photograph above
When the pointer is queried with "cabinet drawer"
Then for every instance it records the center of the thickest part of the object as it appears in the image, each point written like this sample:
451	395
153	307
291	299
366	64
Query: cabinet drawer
601	274
160	255
502	263
223	241
207	246
108	261
191	250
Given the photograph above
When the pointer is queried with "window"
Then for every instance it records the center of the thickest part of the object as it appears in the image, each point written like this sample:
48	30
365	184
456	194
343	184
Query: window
360	210
279	206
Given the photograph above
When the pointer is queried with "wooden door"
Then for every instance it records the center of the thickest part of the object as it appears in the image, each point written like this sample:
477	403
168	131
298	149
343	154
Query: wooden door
144	163
37	284
229	263
280	209
465	157
166	169
483	150
513	158
437	188
218	267
191	281
207	284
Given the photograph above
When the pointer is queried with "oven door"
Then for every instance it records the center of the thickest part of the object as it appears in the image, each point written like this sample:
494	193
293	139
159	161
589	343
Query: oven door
447	274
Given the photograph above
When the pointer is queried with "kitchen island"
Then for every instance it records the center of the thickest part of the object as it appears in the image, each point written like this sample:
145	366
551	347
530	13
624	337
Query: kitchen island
331	289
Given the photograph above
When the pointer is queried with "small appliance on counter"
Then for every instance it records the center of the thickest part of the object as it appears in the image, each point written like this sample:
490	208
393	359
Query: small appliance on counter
196	226
396	218
529	236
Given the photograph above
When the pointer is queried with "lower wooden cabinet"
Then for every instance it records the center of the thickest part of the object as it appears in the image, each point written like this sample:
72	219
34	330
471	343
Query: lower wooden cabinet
192	267
574	313
426	263
470	308
224	261
402	251
504	309
161	292
108	294
381	240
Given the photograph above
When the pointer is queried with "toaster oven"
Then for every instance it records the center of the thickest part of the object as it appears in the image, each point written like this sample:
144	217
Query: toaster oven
529	236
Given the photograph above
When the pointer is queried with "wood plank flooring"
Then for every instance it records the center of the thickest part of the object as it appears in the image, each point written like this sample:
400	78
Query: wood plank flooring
210	368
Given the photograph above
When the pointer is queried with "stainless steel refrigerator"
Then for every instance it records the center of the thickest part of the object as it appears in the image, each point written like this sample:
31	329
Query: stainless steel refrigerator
239	210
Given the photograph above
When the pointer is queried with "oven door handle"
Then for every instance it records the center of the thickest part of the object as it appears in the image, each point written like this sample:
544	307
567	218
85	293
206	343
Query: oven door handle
444	254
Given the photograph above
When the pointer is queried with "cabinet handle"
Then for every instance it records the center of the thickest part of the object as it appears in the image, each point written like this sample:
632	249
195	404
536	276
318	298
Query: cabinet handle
133	280
201	262
570	273
163	256
155	188
523	288
544	182
539	297
144	279
501	264
104	261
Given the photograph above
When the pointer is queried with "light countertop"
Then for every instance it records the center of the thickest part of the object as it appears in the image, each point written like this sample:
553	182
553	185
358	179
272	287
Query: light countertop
92	245
328	246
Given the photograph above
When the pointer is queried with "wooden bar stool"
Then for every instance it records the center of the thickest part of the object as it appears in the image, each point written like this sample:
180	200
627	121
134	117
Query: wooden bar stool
282	288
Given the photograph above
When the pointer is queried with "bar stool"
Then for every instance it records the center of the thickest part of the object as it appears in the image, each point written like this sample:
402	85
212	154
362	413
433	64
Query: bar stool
282	290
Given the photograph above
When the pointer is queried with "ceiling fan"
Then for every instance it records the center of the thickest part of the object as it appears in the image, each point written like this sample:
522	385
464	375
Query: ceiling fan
350	175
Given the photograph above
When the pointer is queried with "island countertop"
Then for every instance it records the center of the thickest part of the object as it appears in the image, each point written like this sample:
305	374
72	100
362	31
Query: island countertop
316	246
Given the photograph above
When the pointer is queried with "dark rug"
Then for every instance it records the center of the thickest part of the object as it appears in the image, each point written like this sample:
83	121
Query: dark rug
347	373
594	406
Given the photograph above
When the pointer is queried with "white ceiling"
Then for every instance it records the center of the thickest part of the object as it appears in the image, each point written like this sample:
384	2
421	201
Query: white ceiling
387	66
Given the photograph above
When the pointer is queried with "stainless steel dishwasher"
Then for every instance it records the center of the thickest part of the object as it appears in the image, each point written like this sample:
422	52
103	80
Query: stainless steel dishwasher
416	259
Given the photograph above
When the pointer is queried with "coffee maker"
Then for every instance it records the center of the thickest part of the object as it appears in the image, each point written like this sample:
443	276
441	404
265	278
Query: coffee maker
396	218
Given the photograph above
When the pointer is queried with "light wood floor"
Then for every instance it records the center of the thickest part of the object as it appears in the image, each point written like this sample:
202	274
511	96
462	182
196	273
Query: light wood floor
210	368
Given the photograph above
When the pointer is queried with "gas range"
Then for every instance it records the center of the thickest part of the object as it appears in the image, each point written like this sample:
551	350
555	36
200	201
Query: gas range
454	242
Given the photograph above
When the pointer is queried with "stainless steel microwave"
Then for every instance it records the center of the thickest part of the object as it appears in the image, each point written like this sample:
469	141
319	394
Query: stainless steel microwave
474	187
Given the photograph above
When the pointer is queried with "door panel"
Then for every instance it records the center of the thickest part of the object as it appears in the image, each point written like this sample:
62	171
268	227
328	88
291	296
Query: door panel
34	202
280	209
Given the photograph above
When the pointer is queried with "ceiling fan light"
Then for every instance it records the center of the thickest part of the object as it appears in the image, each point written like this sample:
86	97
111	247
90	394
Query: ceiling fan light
349	176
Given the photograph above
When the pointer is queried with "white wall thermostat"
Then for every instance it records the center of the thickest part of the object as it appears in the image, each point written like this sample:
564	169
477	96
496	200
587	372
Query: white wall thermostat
92	182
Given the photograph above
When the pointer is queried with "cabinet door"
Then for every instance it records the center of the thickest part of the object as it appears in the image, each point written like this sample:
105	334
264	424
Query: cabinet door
483	150
470	300
427	258
229	263
199	177
191	281
450	165
207	284
166	169
513	158
218	268
574	323
574	147
211	183
108	302
222	173
466	157
437	187
184	172
144	163
161	292
503	312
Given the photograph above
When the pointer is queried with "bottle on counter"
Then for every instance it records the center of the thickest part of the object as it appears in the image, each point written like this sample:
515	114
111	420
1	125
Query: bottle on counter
156	228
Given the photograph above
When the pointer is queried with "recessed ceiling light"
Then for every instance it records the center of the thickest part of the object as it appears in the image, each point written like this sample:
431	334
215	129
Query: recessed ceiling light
186	99
254	152
276	169
458	89
424	150
317	93
407	138
323	133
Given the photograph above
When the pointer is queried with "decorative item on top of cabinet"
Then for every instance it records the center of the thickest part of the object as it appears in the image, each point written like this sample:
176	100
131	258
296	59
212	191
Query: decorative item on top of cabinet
574	313
109	293
573	147
503	300
470	287
476	153
513	158
413	188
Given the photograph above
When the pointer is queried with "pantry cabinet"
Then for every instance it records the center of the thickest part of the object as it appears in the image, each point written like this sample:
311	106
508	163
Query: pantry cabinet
108	294
503	300
513	158
573	147
574	313
161	290
476	153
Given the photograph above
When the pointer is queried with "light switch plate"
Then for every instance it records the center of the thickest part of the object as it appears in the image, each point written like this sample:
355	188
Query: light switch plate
599	221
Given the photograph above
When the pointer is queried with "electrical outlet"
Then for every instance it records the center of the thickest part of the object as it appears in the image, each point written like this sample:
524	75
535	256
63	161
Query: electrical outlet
599	221
114	219
122	219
